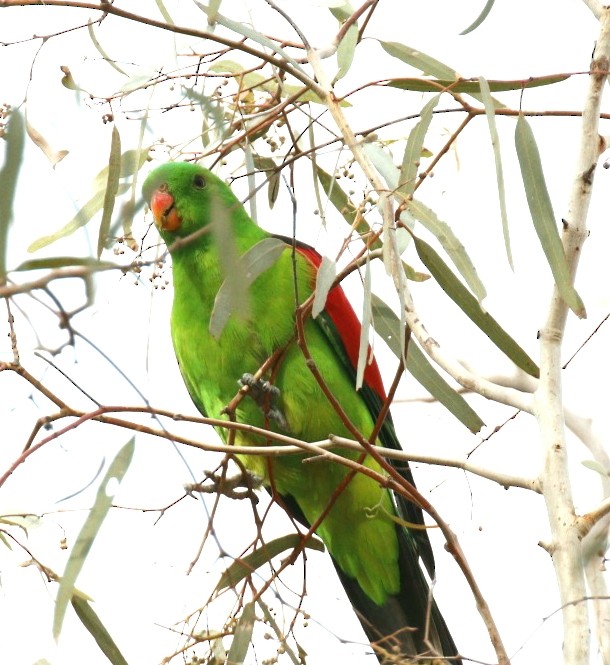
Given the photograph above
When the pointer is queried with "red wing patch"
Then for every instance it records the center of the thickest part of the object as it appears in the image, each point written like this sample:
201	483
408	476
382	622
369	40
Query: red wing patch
347	324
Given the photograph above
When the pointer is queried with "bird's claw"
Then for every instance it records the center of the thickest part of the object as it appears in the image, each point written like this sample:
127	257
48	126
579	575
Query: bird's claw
265	395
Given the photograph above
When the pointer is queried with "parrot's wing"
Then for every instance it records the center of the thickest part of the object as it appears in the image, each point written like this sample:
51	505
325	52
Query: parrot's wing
341	326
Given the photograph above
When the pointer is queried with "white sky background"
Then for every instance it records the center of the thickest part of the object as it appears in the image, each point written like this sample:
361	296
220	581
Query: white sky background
136	570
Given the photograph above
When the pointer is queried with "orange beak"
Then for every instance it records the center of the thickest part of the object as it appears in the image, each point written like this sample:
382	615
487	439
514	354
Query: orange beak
164	211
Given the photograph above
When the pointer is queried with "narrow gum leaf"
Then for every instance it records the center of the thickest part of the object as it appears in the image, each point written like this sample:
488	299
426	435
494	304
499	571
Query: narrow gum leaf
244	30
54	262
480	18
462	297
365	328
82	217
101	51
471	86
131	162
166	16
389	328
9	175
241	568
324	280
451	244
342	203
541	210
112	187
495	143
346	50
96	628
88	533
54	156
425	63
279	632
243	272
242	635
413	150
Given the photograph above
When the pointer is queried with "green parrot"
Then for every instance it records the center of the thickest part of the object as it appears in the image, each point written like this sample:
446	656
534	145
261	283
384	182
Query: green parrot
207	230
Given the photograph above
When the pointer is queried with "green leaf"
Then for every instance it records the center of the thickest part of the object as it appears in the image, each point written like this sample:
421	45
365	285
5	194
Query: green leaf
166	17
472	86
541	210
54	156
425	63
82	546
279	633
413	274
98	631
13	156
324	280
82	217
112	186
212	111
480	18
239	273
131	162
388	327
343	204
451	244
415	143
253	80
364	350
340	9
101	51
55	262
462	297
495	142
244	30
346	50
213	10
242	636
596	466
68	81
241	568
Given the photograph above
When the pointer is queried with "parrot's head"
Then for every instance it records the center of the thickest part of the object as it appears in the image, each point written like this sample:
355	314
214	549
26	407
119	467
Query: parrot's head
183	197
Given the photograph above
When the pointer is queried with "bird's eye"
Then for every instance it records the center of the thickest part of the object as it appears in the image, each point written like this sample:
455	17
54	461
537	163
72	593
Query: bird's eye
199	182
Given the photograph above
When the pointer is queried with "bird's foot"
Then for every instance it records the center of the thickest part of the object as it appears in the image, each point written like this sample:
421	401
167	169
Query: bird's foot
239	486
265	394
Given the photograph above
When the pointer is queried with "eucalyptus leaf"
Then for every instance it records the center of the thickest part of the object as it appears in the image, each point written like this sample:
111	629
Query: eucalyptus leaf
472	86
451	244
54	262
364	350
480	18
462	297
325	278
101	51
425	63
389	328
541	210
82	217
343	203
86	537
241	568
495	143
13	156
413	150
98	631
242	635
239	273
112	187
346	50
54	156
